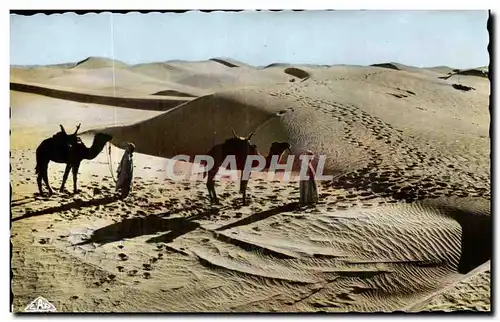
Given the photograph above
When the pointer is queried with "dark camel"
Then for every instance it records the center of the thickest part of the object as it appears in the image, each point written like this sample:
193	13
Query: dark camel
68	149
240	147
277	148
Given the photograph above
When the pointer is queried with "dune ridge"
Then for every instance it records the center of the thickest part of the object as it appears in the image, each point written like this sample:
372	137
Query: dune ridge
387	65
477	72
144	103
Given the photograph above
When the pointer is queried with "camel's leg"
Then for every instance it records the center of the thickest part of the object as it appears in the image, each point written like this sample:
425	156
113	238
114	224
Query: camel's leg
65	177
41	168
74	169
39	178
211	185
243	187
46	180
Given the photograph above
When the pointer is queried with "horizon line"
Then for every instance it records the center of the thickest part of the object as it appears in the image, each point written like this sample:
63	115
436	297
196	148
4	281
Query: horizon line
76	63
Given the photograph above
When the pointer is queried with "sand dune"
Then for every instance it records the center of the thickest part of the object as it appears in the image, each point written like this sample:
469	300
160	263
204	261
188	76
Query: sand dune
99	62
468	293
405	225
213	79
173	133
437	71
477	72
440	69
103	98
338	120
193	78
113	81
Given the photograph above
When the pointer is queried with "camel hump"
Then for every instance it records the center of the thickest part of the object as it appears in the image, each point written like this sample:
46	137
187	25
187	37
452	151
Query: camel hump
60	136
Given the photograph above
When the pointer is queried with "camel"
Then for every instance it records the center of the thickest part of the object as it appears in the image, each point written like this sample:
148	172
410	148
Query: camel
240	147
276	149
68	149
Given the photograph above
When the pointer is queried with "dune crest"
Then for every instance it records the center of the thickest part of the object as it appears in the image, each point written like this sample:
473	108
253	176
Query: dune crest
99	62
230	62
387	65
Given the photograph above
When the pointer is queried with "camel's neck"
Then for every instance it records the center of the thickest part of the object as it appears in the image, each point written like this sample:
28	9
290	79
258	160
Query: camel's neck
95	149
268	161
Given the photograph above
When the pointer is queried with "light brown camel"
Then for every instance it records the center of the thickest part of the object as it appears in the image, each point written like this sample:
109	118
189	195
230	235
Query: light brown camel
240	148
68	149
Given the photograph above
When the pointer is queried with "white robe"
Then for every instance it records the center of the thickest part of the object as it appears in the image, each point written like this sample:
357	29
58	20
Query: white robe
125	173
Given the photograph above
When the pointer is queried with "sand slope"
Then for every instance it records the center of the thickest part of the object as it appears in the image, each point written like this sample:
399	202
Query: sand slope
407	216
362	115
469	293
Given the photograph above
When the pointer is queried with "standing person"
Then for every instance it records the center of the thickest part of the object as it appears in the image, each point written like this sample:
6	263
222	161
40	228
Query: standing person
307	187
125	171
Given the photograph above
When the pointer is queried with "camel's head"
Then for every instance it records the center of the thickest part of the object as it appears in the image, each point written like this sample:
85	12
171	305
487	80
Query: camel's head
241	145
242	137
278	148
310	153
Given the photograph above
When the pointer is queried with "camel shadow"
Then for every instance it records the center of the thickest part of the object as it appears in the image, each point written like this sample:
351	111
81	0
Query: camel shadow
149	225
261	215
21	202
77	204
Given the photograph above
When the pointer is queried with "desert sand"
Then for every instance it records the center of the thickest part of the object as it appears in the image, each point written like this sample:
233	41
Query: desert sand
404	226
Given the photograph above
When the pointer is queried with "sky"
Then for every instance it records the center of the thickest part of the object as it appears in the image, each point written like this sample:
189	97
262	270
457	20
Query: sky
457	39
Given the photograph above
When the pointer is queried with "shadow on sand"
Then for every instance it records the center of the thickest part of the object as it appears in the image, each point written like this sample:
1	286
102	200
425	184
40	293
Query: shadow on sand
77	204
149	225
261	215
174	227
477	239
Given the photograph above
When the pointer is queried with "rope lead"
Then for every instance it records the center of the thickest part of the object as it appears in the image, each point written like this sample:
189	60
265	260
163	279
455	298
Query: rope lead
110	166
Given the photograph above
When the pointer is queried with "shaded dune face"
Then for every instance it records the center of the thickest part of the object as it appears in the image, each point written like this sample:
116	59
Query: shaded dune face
473	214
193	129
297	72
181	131
387	65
